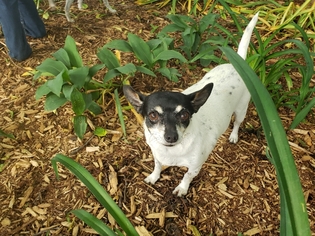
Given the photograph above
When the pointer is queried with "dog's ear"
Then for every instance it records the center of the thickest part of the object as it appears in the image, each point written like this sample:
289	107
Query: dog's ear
136	99
200	97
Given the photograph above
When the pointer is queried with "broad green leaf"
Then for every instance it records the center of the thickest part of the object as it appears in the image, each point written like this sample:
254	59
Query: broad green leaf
97	190
53	101
94	69
67	90
170	54
74	56
55	84
80	125
170	73
110	75
77	101
127	69
141	49
209	19
100	132
42	91
52	67
145	70
87	99
62	55
171	28
120	45
180	20
95	223
78	76
108	58
95	108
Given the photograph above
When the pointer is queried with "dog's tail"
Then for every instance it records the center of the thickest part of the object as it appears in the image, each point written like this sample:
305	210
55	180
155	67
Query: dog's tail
244	43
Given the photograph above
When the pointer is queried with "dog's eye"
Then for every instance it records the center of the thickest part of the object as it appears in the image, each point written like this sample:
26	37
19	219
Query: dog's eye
184	116
153	116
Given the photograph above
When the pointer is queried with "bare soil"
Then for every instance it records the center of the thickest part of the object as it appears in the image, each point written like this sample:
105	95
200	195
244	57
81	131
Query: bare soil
236	190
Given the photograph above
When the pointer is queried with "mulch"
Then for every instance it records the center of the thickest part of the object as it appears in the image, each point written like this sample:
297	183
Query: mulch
236	190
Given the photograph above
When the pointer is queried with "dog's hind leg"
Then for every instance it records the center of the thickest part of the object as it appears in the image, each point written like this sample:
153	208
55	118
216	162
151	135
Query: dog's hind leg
109	7
239	115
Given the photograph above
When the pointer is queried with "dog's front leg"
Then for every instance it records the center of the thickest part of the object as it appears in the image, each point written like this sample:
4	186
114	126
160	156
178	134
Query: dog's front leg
155	175
182	188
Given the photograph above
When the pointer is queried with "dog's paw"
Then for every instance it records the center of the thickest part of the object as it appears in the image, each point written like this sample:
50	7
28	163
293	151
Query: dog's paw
233	138
151	179
180	191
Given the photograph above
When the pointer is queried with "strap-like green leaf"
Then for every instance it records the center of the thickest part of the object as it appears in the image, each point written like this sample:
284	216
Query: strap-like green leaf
141	49
277	141
80	125
97	190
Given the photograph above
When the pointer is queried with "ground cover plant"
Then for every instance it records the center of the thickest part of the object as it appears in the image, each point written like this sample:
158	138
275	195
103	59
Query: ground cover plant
236	191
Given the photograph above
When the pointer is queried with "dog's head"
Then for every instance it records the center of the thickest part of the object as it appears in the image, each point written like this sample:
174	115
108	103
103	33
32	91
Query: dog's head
167	114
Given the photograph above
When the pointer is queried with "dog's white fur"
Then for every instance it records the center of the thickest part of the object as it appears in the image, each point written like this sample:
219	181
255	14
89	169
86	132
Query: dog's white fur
68	4
229	96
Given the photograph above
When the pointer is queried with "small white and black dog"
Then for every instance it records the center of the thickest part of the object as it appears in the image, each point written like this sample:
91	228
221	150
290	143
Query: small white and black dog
183	128
69	2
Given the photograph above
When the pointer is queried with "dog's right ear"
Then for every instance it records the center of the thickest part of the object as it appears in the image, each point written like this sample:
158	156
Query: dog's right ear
136	99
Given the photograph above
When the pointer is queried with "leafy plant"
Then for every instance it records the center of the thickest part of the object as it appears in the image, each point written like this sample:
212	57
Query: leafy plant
294	218
101	195
150	54
192	34
71	82
274	63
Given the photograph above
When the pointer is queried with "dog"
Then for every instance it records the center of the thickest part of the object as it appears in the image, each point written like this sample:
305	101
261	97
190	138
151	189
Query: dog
68	4
183	128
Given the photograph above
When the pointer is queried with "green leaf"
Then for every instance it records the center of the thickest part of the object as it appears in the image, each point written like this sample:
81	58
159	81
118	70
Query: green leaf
110	75
78	103
302	114
53	101
145	70
62	55
141	49
100	132
42	91
94	222
94	69
95	108
170	73
3	134
127	69
80	125
72	51
169	54
78	76
288	178
55	84
52	67
108	58
67	90
120	45
97	190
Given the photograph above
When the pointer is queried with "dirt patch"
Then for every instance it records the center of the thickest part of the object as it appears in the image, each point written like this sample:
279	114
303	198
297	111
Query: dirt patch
236	190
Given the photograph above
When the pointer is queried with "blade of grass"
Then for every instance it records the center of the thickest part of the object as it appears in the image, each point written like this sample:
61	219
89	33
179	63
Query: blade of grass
93	222
96	189
119	111
278	144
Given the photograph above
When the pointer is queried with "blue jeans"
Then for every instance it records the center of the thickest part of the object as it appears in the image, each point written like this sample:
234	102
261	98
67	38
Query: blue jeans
18	19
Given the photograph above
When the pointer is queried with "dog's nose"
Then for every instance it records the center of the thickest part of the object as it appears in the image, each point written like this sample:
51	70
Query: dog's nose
171	138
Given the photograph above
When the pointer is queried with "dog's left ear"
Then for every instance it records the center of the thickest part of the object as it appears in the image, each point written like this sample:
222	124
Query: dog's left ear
200	97
136	99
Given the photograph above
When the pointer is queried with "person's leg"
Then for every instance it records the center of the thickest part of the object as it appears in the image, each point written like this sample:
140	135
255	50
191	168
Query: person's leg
33	24
13	30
